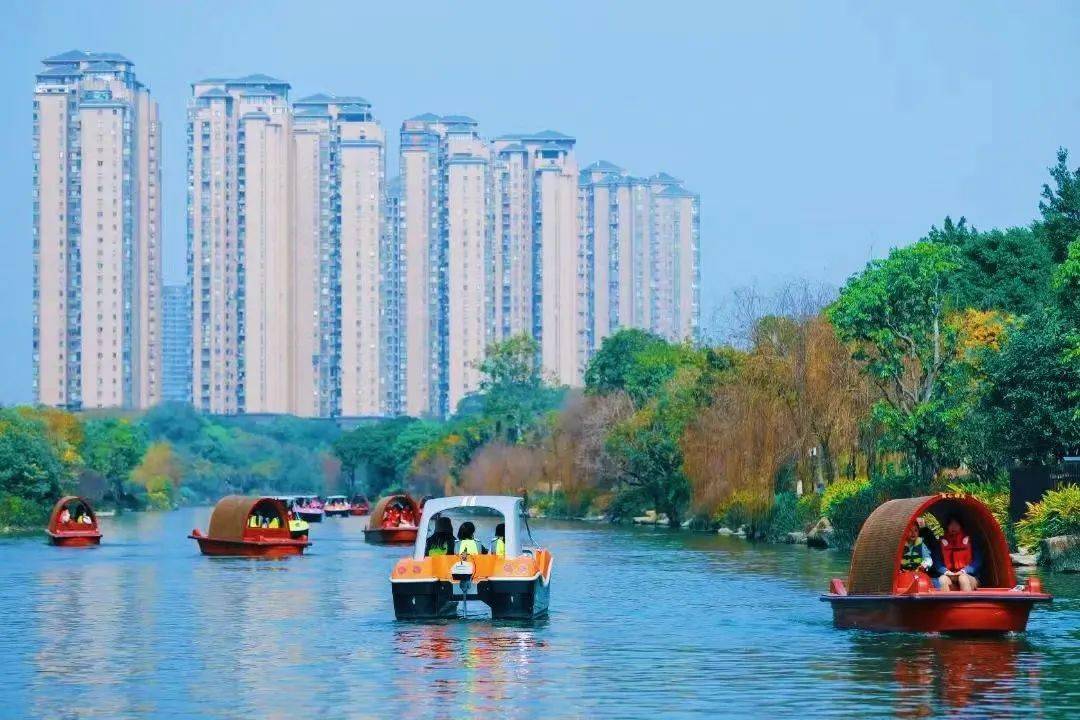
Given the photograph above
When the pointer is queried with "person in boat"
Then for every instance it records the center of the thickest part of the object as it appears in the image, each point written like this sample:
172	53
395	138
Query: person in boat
961	560
407	516
392	517
933	545
498	543
466	542
441	542
85	519
65	516
916	556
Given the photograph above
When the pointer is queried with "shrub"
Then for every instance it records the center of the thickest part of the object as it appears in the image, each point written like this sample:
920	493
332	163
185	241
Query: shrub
1058	513
838	491
848	512
749	509
784	517
808	511
19	513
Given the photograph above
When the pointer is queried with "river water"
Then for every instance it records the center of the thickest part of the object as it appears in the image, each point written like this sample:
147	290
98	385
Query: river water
643	623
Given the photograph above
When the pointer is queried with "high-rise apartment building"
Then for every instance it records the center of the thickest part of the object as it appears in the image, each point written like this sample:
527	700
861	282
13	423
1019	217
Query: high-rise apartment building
240	193
536	234
176	344
639	238
97	243
340	345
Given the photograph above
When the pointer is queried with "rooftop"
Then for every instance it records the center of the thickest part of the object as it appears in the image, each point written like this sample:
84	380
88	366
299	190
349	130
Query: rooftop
76	56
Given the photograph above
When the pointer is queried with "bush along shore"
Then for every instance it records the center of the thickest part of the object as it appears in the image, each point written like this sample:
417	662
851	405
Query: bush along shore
937	367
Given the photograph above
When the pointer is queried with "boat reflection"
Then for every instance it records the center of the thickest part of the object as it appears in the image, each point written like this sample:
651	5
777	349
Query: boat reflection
470	668
942	675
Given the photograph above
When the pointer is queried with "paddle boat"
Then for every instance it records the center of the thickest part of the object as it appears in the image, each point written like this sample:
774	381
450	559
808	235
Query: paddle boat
337	506
309	508
881	595
298	528
73	523
359	506
393	521
242	526
515	585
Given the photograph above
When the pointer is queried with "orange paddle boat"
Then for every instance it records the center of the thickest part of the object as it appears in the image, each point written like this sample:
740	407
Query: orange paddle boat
392	521
514	584
73	523
881	595
359	506
249	527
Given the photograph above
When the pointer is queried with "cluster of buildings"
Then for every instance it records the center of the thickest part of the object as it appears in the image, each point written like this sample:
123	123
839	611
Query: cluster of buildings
315	285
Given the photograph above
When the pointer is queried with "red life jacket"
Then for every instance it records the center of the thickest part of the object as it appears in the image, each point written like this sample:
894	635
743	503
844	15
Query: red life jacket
956	551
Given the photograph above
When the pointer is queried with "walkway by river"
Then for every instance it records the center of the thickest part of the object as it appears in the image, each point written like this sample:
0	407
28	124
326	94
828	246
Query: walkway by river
643	623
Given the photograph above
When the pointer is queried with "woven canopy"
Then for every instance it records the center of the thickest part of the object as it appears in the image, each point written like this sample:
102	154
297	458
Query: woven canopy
231	514
376	517
54	518
875	561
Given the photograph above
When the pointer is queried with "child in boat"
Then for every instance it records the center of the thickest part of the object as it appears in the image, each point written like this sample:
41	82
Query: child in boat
466	542
498	544
916	555
961	560
441	542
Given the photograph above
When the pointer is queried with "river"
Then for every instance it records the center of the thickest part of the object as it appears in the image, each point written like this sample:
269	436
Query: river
643	622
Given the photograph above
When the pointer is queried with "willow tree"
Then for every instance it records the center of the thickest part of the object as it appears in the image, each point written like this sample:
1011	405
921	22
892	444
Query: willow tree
893	314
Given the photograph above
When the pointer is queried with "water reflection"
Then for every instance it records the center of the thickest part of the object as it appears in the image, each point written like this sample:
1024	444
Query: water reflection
954	676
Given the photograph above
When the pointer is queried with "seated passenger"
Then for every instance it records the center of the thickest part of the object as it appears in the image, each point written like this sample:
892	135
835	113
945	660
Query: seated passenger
65	516
274	523
86	519
441	542
466	544
498	545
916	555
407	516
253	521
931	542
392	517
961	560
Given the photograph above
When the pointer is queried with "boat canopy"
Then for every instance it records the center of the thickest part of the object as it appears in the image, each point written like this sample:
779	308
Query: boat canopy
230	517
72	503
511	508
875	562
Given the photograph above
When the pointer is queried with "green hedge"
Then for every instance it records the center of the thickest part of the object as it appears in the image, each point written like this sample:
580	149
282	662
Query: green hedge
1058	513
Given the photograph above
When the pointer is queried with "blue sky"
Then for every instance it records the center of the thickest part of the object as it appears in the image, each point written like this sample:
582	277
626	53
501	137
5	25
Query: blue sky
818	134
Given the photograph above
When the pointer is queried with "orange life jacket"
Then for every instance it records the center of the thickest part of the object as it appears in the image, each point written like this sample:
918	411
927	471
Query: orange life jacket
956	551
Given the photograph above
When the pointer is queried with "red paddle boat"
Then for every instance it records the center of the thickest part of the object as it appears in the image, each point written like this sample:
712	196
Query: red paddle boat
393	521
359	506
73	523
881	595
249	527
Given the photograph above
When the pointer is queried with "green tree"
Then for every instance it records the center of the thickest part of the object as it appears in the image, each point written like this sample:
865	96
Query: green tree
513	394
1027	412
1005	270
1060	207
29	466
370	448
893	314
636	362
113	448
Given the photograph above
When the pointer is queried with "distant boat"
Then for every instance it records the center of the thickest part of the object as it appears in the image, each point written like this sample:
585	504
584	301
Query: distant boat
393	521
242	526
73	523
336	506
309	508
359	506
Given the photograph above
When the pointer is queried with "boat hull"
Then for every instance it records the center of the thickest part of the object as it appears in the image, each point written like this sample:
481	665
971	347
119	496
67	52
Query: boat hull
311	517
359	511
390	536
243	548
75	539
941	612
337	513
524	599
